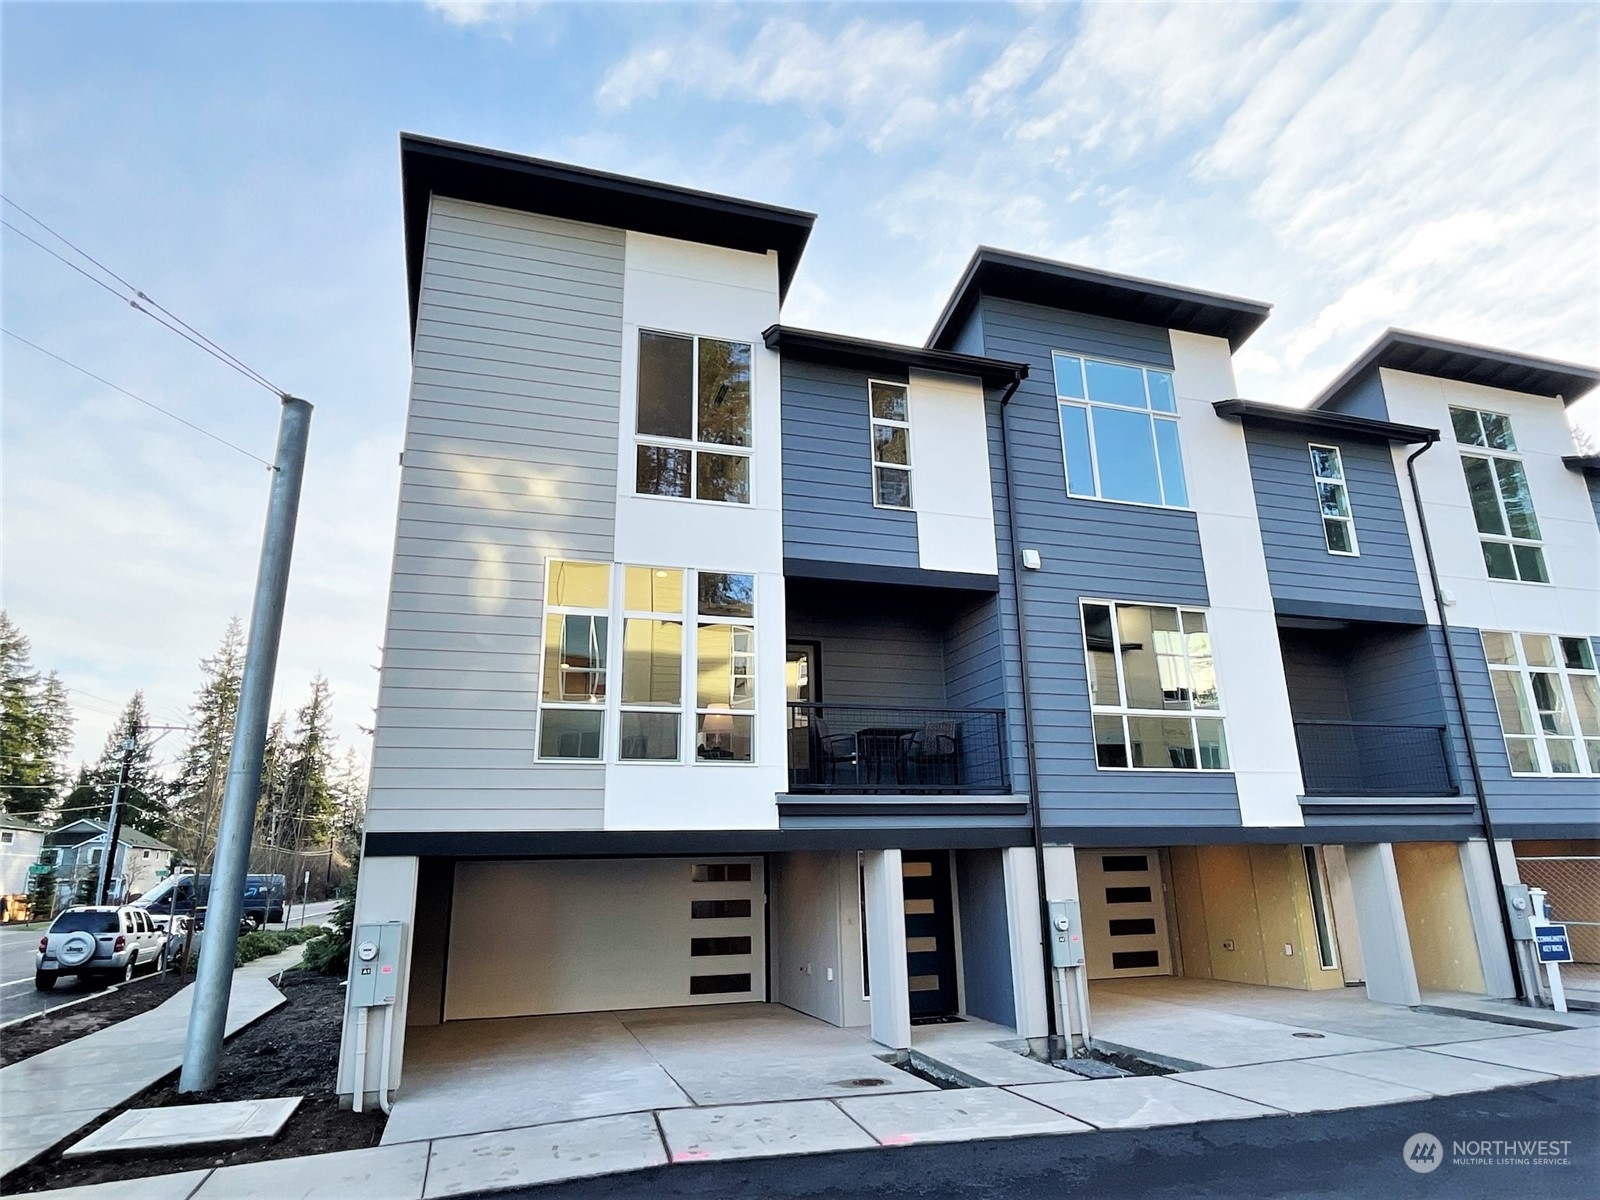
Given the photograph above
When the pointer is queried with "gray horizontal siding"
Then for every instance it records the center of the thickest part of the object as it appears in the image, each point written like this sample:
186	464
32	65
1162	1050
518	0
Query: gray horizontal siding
875	660
1364	398
510	457
1088	548
828	514
1299	567
1315	673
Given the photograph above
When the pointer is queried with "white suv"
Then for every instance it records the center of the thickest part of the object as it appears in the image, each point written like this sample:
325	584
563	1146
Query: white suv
105	941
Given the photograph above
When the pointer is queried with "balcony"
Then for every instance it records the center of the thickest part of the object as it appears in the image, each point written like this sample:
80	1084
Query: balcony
1354	758
877	750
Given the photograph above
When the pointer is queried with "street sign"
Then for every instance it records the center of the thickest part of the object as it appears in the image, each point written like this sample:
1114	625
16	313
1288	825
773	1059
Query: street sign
37	869
1552	943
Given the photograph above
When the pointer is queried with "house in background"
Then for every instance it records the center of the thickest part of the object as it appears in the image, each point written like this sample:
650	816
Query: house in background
78	848
20	843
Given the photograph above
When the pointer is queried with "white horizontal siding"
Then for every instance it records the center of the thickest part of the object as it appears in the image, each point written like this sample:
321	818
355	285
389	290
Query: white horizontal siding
510	457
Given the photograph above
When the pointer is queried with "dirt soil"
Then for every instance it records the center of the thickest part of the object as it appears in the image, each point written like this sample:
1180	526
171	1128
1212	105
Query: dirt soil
49	1030
292	1051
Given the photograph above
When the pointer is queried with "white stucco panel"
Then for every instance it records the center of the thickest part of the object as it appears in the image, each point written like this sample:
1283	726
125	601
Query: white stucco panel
950	474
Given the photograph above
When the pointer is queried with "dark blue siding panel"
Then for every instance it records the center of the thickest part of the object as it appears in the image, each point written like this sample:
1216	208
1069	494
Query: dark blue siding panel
1299	567
1315	673
828	513
1363	398
875	658
985	936
974	666
1515	799
1089	548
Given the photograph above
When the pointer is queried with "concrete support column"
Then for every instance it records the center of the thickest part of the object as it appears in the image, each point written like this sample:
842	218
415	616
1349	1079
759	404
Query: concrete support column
1477	872
1028	987
1385	941
886	949
1072	1006
387	891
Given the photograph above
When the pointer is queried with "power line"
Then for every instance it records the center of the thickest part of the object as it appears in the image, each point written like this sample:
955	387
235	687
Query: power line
148	404
176	323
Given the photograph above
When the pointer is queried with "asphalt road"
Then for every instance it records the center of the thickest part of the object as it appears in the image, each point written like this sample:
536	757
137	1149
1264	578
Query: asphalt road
19	952
1347	1154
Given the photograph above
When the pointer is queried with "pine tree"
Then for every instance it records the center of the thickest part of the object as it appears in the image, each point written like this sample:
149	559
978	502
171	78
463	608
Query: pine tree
55	737
307	811
203	771
144	795
349	792
27	783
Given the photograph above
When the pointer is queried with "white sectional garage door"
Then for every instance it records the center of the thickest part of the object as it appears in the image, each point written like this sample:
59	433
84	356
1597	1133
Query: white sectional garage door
586	935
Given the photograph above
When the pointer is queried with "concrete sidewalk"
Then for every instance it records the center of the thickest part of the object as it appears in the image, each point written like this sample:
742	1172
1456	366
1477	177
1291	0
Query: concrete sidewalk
52	1095
604	1145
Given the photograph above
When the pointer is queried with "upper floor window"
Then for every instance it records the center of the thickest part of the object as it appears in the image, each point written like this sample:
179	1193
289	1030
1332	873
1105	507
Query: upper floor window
1502	505
725	685
572	689
694	421
1548	697
891	444
652	663
1153	688
1333	500
1119	432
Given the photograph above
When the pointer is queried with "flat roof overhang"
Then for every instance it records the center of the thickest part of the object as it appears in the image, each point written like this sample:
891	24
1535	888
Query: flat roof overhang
430	166
836	349
1053	284
1308	420
1464	362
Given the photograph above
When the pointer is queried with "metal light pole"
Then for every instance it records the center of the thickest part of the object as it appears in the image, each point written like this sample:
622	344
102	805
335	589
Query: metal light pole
108	865
231	860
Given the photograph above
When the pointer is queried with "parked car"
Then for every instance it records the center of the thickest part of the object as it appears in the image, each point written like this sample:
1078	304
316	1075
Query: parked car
111	942
183	894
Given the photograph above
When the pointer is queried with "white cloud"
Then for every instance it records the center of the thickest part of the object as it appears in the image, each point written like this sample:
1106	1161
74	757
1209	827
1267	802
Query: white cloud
475	14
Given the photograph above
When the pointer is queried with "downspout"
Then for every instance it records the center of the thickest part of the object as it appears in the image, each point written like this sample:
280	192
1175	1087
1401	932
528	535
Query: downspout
1461	710
1027	711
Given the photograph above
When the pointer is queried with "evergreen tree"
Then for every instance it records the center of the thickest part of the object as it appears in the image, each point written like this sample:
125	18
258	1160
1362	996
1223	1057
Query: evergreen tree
203	771
144	795
35	728
305	811
349	791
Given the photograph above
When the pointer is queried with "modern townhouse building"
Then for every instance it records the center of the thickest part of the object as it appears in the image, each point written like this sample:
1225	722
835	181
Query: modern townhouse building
728	661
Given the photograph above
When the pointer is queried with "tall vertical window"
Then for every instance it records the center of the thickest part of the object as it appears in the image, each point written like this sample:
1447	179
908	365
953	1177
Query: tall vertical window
725	668
572	687
1502	505
694	421
1333	500
1321	909
891	444
652	664
1119	432
1548	696
1153	688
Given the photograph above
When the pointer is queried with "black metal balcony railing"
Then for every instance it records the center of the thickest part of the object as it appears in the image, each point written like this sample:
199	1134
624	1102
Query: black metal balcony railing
1353	758
896	751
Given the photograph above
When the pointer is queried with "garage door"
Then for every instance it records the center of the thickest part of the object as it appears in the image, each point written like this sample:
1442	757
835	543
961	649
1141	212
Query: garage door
586	935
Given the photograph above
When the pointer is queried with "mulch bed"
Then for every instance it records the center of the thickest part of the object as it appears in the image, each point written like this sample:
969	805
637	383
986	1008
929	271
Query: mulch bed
49	1030
292	1051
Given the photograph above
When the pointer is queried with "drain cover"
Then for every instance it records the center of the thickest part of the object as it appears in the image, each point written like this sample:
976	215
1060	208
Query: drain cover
863	1082
1310	1035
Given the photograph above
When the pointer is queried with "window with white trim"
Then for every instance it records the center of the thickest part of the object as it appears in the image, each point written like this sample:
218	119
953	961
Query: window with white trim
890	407
1153	688
572	687
693	427
1548	696
1502	504
1119	432
725	667
1333	500
652	664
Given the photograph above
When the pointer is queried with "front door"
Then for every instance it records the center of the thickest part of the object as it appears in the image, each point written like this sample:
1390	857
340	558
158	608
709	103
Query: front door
930	934
1124	913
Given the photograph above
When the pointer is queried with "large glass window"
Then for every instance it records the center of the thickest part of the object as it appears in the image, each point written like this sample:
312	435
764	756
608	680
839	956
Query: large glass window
1502	505
891	444
1548	696
725	669
694	421
652	664
1333	500
1153	688
1119	432
572	688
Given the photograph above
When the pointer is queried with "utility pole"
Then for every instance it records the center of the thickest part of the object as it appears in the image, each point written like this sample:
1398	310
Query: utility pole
214	979
108	864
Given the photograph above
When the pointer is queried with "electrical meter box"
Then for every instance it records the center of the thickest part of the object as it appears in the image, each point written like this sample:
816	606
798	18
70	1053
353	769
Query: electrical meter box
1065	934
374	964
1519	904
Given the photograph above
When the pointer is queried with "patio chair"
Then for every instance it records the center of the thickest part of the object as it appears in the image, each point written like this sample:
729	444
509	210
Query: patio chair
933	753
830	749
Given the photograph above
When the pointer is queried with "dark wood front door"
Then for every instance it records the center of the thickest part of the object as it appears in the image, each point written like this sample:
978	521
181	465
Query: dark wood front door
930	934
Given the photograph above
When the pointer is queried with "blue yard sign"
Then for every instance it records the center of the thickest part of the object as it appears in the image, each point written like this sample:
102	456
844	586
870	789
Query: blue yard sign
1552	943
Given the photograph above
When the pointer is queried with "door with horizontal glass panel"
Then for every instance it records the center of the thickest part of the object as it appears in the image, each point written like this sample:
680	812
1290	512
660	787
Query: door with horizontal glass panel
1124	914
930	934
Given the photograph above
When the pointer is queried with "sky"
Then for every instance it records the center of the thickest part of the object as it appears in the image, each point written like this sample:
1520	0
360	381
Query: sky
1433	168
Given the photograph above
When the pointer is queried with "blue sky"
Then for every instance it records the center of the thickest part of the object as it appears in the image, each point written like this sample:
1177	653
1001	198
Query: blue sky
1429	167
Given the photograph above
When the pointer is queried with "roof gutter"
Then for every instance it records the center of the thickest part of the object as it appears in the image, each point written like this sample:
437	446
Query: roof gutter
1473	765
1027	707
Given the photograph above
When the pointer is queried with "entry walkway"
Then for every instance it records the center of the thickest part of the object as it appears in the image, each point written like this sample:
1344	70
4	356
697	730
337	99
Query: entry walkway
52	1095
